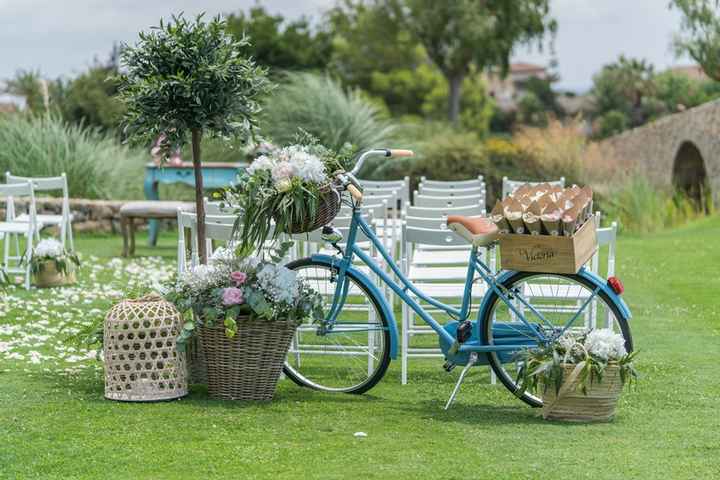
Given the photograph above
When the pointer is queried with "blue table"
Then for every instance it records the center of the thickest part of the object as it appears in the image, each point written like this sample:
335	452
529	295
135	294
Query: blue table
215	175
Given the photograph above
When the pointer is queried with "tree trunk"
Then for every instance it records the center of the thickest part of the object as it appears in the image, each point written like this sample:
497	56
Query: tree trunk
455	82
199	199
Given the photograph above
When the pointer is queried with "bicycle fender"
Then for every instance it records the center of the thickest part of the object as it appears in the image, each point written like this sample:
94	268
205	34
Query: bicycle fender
594	279
375	291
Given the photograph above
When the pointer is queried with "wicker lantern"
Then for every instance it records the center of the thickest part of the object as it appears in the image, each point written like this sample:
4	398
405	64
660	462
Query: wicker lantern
141	361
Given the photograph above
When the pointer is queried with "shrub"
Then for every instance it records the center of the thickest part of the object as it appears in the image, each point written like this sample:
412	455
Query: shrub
96	165
611	123
640	207
320	106
557	151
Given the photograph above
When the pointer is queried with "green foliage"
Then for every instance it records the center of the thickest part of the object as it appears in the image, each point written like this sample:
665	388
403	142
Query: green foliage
701	28
640	207
443	154
28	84
232	287
95	164
408	91
543	91
611	123
542	368
476	105
464	33
188	76
320	106
678	92
89	99
64	264
284	188
279	44
622	86
531	111
367	42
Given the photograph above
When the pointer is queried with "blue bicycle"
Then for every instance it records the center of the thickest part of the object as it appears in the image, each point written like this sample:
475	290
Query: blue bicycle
351	350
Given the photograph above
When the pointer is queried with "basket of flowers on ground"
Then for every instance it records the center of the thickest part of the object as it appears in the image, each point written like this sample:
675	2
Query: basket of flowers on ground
580	376
52	265
246	311
290	187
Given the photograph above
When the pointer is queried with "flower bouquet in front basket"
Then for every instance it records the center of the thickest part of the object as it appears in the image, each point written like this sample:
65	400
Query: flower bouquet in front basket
52	265
245	312
290	187
580	376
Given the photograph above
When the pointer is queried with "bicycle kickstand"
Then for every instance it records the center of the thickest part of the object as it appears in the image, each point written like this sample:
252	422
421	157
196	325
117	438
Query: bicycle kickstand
472	361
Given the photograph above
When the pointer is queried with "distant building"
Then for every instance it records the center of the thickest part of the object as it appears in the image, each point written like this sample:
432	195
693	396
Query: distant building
694	72
507	90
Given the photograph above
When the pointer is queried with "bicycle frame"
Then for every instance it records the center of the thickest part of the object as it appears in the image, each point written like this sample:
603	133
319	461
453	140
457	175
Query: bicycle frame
403	285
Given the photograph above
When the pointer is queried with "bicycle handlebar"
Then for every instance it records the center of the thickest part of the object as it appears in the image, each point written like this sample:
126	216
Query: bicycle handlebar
386	152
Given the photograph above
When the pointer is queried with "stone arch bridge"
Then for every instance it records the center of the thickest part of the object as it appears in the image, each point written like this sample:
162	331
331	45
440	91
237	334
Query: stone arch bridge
681	150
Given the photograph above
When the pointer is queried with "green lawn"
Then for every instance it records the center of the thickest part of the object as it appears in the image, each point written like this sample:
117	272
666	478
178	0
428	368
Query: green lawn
54	422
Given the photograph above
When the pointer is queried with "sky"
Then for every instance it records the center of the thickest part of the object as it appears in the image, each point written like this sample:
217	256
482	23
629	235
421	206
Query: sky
62	37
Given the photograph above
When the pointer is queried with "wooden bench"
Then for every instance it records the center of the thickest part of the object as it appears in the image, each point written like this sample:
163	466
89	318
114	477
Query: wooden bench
151	210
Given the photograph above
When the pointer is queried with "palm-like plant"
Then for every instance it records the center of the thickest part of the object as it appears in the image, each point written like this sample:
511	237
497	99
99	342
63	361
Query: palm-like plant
324	109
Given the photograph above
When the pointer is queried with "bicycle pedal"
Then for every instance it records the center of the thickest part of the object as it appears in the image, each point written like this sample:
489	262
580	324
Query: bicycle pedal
449	366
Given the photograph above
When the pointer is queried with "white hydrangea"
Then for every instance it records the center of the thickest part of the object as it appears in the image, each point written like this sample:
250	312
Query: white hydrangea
263	162
49	247
279	283
605	344
309	167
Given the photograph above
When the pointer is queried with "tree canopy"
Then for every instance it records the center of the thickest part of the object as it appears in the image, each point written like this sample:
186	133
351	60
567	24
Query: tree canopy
188	78
700	36
464	33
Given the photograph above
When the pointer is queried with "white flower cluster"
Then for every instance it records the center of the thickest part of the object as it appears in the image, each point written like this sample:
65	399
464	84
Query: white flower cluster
605	344
203	277
49	247
288	163
279	283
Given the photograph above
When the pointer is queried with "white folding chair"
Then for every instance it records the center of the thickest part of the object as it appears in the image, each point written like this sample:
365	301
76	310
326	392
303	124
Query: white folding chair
49	184
453	184
448	201
11	229
450	192
606	236
509	186
217	208
443	278
384	187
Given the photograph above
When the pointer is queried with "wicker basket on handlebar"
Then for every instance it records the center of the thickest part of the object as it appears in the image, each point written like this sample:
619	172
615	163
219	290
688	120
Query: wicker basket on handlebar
328	208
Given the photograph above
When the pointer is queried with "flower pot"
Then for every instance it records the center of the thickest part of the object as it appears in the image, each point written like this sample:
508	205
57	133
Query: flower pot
49	276
247	366
570	404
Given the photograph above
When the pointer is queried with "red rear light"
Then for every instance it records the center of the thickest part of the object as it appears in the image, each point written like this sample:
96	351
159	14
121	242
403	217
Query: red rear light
616	285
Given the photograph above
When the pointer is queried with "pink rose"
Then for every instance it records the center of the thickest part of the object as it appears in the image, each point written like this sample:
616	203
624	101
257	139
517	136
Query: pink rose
238	277
232	296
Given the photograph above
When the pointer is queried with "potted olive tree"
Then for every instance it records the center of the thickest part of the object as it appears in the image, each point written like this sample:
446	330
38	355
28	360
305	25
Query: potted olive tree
186	79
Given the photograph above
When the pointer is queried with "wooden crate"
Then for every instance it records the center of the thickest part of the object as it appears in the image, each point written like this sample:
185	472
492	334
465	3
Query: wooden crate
547	253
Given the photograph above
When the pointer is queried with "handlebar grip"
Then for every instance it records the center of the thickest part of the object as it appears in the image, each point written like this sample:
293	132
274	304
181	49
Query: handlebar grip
355	192
401	153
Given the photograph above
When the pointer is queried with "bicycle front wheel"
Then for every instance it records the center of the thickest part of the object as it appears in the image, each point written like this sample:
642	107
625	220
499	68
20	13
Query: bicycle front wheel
560	298
355	354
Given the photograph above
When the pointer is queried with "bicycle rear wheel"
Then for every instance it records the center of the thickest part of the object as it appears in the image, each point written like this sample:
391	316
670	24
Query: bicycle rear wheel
355	355
558	297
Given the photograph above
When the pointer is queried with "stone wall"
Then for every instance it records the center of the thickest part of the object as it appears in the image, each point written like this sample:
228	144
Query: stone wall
97	216
654	147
